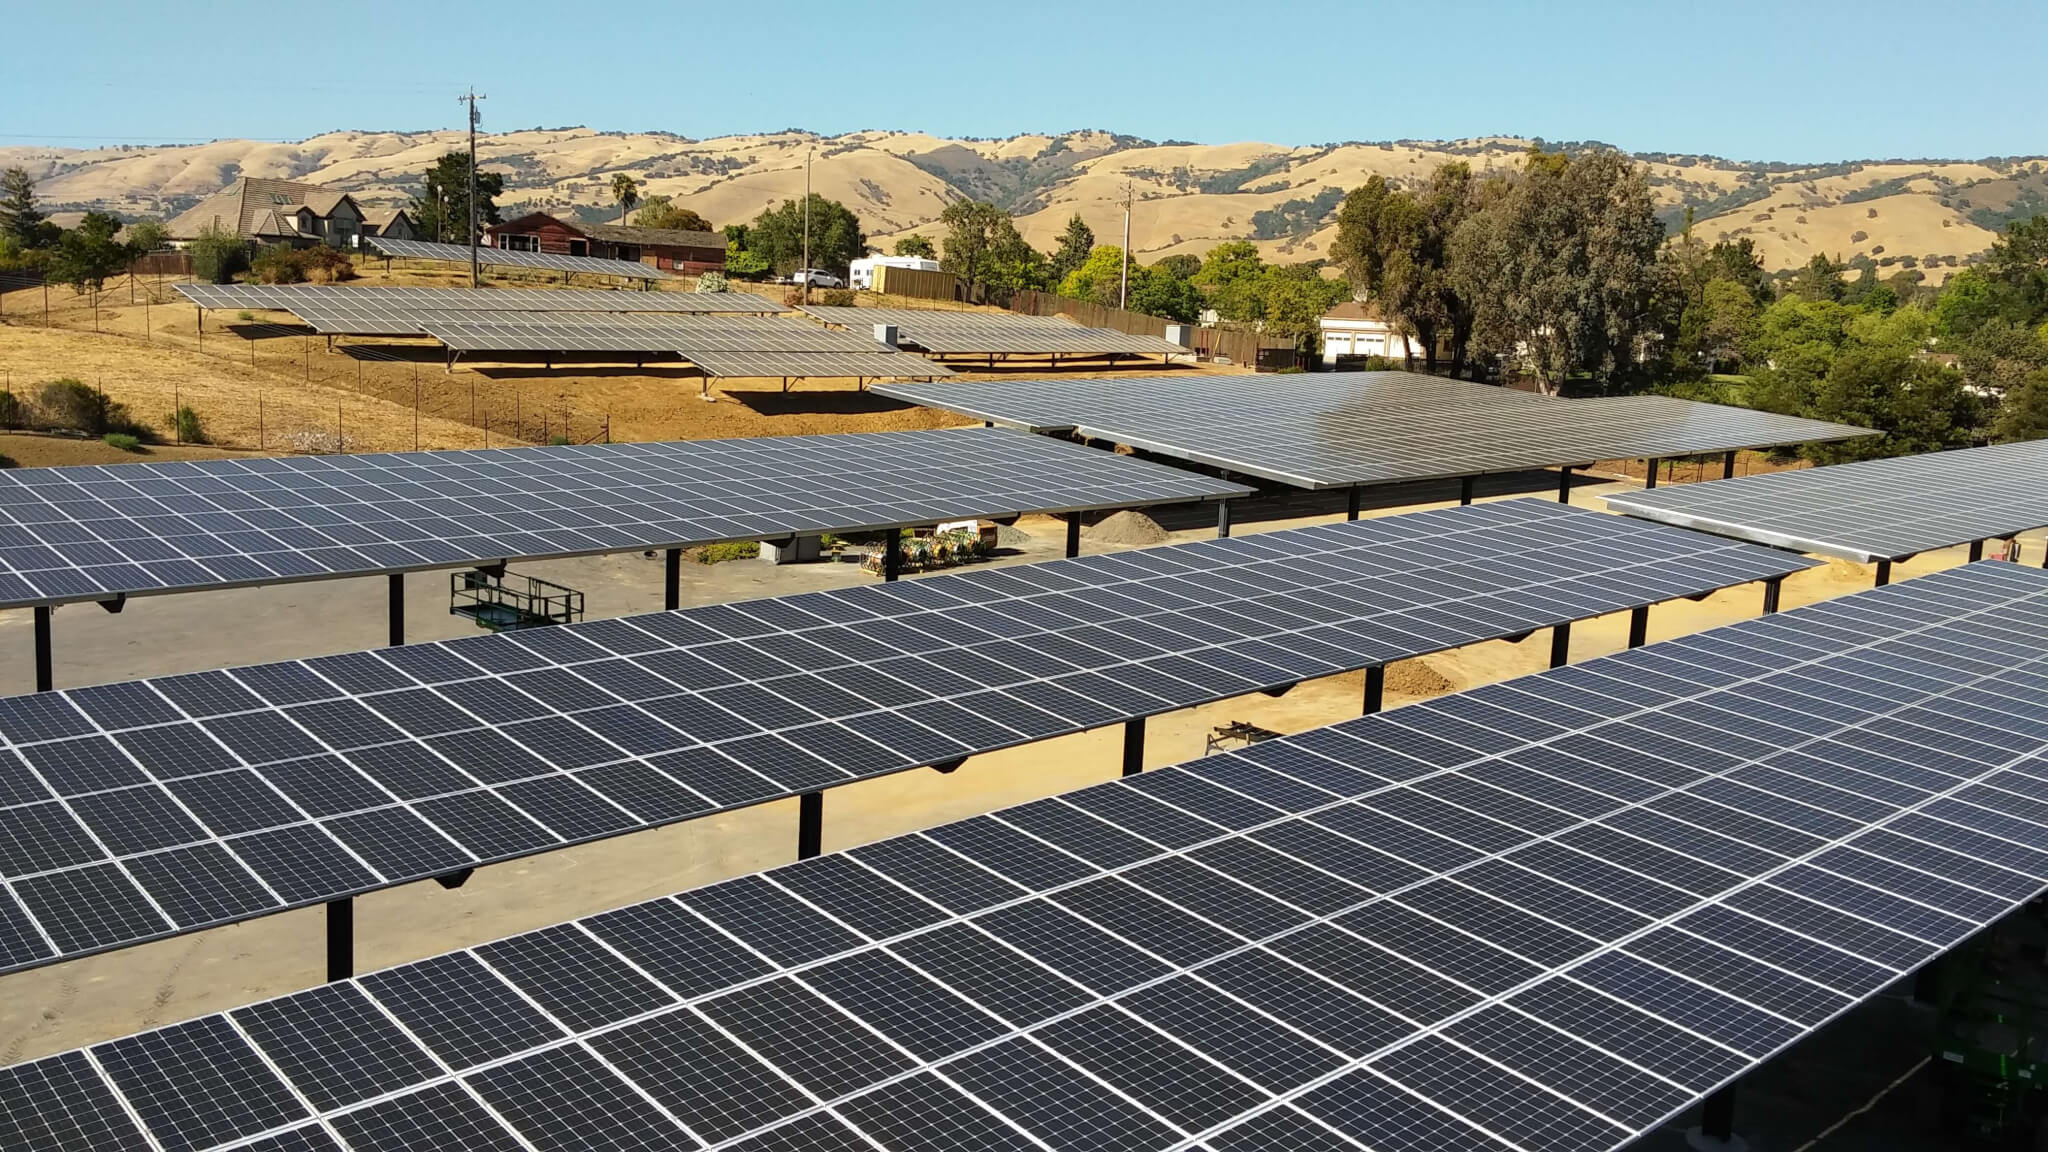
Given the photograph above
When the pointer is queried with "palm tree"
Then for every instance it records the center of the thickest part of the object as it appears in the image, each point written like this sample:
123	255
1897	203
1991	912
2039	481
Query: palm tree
626	192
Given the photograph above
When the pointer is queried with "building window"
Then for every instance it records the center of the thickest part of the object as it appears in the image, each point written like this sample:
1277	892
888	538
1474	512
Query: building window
519	243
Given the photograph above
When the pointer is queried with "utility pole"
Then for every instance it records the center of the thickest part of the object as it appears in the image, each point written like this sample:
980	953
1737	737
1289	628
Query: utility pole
1123	292
470	97
806	272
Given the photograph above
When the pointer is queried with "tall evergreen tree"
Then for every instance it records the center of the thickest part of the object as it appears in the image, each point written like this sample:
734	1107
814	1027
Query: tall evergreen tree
1074	247
442	207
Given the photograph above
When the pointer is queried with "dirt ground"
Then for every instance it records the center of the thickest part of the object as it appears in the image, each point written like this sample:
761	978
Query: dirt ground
85	1001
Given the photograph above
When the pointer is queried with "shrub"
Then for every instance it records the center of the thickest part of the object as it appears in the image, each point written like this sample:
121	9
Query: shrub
559	440
186	426
720	553
833	297
123	441
245	315
1858	237
711	282
217	254
13	411
277	264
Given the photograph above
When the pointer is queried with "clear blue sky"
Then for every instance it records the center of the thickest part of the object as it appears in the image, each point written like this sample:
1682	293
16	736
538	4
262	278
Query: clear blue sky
1811	80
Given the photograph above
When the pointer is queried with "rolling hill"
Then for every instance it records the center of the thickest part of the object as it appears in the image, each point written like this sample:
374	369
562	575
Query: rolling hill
1933	214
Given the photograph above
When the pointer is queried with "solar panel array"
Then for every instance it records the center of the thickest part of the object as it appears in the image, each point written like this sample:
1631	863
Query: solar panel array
140	810
572	332
1545	915
506	258
792	365
1329	430
996	332
370	305
1870	510
91	533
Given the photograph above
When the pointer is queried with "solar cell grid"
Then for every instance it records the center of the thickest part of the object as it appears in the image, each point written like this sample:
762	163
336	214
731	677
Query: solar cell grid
375	300
1326	430
928	1033
424	759
99	531
1870	510
506	258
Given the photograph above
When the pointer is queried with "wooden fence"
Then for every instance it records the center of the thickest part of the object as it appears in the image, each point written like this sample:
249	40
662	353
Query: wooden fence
918	283
1230	345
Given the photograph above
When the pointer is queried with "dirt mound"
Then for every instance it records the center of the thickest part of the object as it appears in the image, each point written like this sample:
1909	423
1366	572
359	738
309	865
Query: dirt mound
1011	536
1417	678
1128	528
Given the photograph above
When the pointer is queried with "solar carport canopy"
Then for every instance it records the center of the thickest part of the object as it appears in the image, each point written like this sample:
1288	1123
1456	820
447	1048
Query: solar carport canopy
136	811
997	332
1543	915
742	363
393	306
94	533
1341	429
1870	510
560	333
507	258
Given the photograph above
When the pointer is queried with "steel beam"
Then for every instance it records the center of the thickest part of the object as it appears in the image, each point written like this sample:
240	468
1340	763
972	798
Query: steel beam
1134	746
45	679
1073	535
341	939
395	583
672	579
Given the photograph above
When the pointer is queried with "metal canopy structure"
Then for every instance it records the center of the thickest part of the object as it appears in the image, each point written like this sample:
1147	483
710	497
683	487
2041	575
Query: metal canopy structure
506	258
807	365
961	333
562	333
136	811
1869	511
1346	429
392	306
99	532
1543	915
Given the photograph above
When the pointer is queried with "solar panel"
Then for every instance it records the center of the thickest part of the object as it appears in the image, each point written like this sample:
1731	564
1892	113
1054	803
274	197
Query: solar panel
1330	430
1544	941
93	533
506	258
997	332
373	302
744	362
148	809
1871	510
630	335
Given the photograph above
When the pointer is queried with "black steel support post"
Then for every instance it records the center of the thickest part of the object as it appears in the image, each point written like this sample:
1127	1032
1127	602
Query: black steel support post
1222	519
1728	466
1564	485
1351	503
45	680
1638	625
1771	589
1134	746
396	582
892	554
1884	573
810	825
1976	551
672	579
1465	489
1561	645
1650	477
1073	535
1717	1115
341	939
1375	688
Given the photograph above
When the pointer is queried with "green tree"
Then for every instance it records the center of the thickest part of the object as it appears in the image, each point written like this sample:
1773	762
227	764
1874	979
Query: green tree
664	212
1970	300
218	252
1292	300
918	245
1739	261
1097	278
2024	414
1728	322
1180	265
1821	279
975	230
1156	291
19	216
1231	276
1560	264
1394	247
145	236
2018	263
1076	244
625	193
88	254
777	236
442	207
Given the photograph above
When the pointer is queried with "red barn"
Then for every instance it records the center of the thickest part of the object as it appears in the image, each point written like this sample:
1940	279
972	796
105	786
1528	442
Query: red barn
670	249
